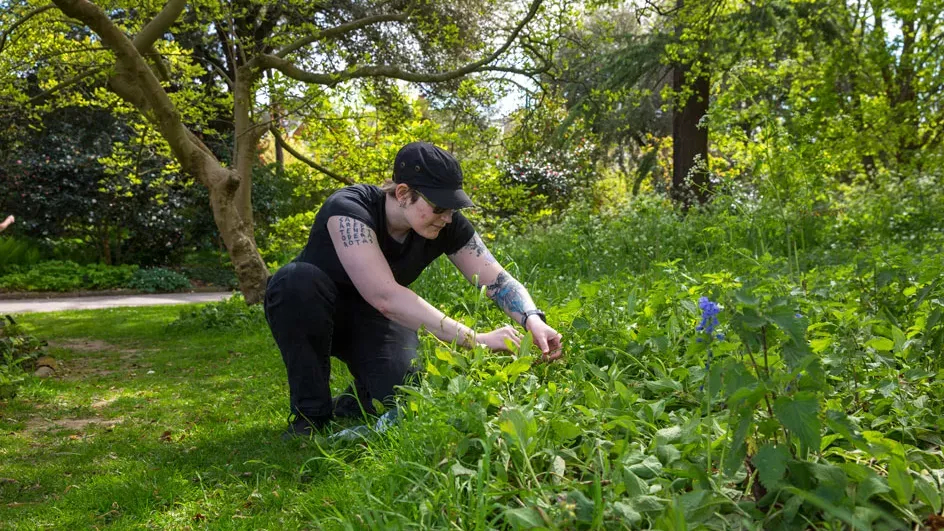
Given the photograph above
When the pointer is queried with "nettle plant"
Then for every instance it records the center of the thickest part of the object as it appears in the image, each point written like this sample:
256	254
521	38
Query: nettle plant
790	444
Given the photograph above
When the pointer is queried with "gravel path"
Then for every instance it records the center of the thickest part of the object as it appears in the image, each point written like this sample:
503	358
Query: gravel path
92	303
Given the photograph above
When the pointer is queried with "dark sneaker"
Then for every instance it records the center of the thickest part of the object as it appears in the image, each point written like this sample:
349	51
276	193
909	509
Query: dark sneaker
303	427
346	406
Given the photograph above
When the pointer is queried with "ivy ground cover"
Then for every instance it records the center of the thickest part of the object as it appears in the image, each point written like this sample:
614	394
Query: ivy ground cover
728	369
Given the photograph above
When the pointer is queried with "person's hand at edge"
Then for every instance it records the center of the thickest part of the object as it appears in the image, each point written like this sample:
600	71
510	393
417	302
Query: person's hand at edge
545	338
6	223
495	340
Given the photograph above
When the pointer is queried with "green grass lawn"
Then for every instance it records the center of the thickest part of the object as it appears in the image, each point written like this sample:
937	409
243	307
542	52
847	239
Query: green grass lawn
141	427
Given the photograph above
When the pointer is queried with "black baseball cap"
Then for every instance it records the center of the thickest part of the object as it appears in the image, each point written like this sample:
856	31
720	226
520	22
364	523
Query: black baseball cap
433	172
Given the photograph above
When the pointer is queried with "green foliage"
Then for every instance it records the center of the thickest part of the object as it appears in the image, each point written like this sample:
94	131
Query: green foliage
286	238
158	280
102	179
58	275
817	407
17	252
229	314
212	276
17	352
803	382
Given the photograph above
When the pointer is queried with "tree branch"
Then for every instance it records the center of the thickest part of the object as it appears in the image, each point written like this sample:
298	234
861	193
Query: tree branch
340	30
153	30
393	72
6	33
39	98
306	160
135	79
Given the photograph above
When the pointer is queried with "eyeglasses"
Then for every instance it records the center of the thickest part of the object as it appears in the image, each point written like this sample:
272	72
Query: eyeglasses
436	210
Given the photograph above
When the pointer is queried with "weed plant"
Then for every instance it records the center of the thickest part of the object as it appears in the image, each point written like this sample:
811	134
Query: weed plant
229	314
18	351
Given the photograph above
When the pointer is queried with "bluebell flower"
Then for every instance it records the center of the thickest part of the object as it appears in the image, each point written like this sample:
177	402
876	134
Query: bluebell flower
709	315
798	315
709	320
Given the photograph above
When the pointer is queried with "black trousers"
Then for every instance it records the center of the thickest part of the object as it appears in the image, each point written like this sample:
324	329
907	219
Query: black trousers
312	319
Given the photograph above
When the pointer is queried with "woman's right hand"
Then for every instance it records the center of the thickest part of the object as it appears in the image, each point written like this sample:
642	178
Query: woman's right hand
495	340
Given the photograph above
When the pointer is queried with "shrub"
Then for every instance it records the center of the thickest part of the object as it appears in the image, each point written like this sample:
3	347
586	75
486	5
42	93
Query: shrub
65	275
224	278
551	177
17	352
16	252
229	314
100	276
158	280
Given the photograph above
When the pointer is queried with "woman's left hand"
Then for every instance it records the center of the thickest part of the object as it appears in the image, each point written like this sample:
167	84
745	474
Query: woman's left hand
545	338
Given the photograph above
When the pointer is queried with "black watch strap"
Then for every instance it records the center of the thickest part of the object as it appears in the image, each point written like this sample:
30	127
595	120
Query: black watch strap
529	313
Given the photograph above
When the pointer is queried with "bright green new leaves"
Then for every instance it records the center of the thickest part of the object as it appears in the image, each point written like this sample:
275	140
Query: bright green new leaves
800	415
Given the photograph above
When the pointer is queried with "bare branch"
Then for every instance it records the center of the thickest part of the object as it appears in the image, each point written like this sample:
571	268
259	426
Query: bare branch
289	69
6	33
340	30
158	25
306	160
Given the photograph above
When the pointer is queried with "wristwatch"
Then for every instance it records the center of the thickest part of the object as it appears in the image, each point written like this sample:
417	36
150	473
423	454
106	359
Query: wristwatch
529	313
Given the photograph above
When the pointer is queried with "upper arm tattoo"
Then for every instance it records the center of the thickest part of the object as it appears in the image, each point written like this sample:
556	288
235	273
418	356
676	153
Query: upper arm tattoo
477	246
354	232
509	294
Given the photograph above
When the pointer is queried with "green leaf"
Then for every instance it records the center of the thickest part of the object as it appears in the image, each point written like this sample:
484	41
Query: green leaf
795	327
795	353
746	298
518	366
821	344
869	487
928	493
630	515
668	435
735	457
750	320
833	510
565	429
840	423
523	518
526	344
446	356
899	479
459	470
881	343
648	469
771	464
634	485
800	415
520	427
646	504
584	509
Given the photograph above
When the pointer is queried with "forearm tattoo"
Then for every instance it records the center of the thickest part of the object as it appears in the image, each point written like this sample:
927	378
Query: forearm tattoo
354	232
509	294
477	246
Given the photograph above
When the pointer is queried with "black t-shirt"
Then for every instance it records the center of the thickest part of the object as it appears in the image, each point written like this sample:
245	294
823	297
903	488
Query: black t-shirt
367	203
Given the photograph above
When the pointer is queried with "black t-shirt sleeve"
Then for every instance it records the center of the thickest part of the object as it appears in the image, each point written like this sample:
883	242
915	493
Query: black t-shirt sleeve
461	231
352	202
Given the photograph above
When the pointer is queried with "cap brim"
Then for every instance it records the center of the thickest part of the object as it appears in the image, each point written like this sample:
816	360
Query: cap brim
452	199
